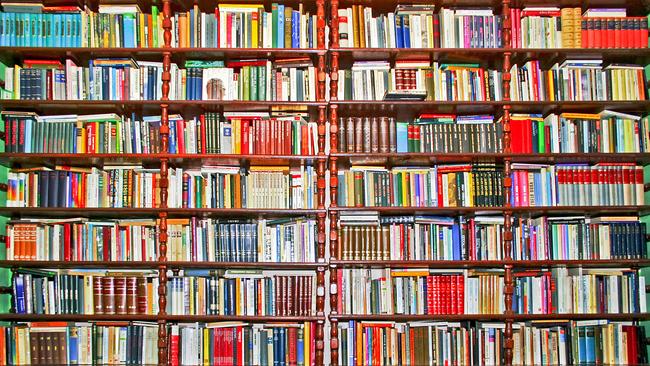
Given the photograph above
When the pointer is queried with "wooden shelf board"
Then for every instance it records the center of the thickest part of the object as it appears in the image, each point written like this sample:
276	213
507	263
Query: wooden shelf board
156	264
488	317
522	211
155	212
489	263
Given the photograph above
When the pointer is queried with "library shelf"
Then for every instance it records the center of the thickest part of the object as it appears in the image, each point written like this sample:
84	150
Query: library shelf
175	160
242	318
470	264
347	54
180	53
154	212
488	317
399	159
78	317
413	108
153	106
156	264
518	211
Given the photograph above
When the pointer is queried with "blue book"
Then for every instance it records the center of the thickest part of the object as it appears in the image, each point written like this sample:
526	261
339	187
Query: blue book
456	239
3	33
129	30
399	37
28	134
192	28
295	29
402	136
20	295
283	348
301	347
590	346
73	345
276	347
280	33
172	136
406	32
13	33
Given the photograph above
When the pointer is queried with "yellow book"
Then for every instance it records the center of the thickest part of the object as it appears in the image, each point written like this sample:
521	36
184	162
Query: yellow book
255	23
240	309
16	90
404	190
240	7
307	337
580	116
429	19
206	346
268	168
551	86
236	140
355	25
413	273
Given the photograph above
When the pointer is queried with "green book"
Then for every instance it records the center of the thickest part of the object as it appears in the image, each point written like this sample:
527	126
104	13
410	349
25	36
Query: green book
274	25
261	85
245	73
253	87
154	16
541	137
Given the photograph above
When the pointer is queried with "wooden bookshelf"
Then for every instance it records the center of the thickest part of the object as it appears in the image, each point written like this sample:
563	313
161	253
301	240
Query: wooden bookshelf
156	264
493	317
470	264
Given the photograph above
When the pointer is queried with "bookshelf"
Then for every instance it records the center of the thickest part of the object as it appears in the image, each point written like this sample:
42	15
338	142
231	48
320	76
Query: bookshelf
504	57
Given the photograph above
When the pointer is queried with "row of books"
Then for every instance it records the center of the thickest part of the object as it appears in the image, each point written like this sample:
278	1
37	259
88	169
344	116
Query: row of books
553	27
279	80
132	186
383	238
114	26
579	238
242	344
252	293
606	132
127	79
535	343
117	186
84	292
478	185
577	185
82	240
418	26
134	240
579	291
427	133
63	343
376	80
418	291
234	187
277	241
245	26
209	133
580	80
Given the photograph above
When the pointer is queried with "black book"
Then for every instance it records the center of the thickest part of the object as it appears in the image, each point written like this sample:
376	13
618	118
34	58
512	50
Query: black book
53	188
43	189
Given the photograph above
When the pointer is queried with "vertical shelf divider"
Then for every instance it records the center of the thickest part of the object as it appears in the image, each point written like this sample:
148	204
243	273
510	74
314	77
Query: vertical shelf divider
333	181
507	184
164	183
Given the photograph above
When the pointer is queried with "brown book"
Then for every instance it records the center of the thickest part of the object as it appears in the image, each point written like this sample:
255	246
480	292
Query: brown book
278	296
309	296
392	133
108	294
358	135
355	25
49	348
120	295
131	295
43	349
98	295
577	27
342	143
383	135
63	349
374	138
349	131
33	347
366	134
141	296
358	189
399	79
288	13
451	189
362	27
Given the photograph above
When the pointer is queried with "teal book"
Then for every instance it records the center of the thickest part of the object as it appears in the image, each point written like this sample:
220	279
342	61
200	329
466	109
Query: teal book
280	23
402	136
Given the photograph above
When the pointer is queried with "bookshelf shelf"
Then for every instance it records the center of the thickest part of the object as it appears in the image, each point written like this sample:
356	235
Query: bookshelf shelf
488	317
142	317
399	159
154	212
242	318
518	211
469	264
176	160
155	264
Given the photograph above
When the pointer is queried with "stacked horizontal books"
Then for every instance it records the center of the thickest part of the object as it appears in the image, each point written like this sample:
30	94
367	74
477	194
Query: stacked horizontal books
276	241
463	185
419	80
553	27
246	292
64	186
63	343
245	26
419	238
602	184
419	291
36	25
277	187
85	292
427	133
234	343
579	238
577	80
418	26
80	239
606	132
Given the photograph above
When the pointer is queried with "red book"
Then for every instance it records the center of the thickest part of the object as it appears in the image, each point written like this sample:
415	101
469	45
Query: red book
90	138
228	30
240	346
584	33
453	294
108	294
632	344
67	250
610	34
245	139
597	33
180	136
293	341
120	295
643	28
288	139
460	287
173	346
416	138
204	140
618	28
304	141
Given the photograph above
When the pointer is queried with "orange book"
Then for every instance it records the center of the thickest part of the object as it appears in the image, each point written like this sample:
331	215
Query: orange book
237	188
